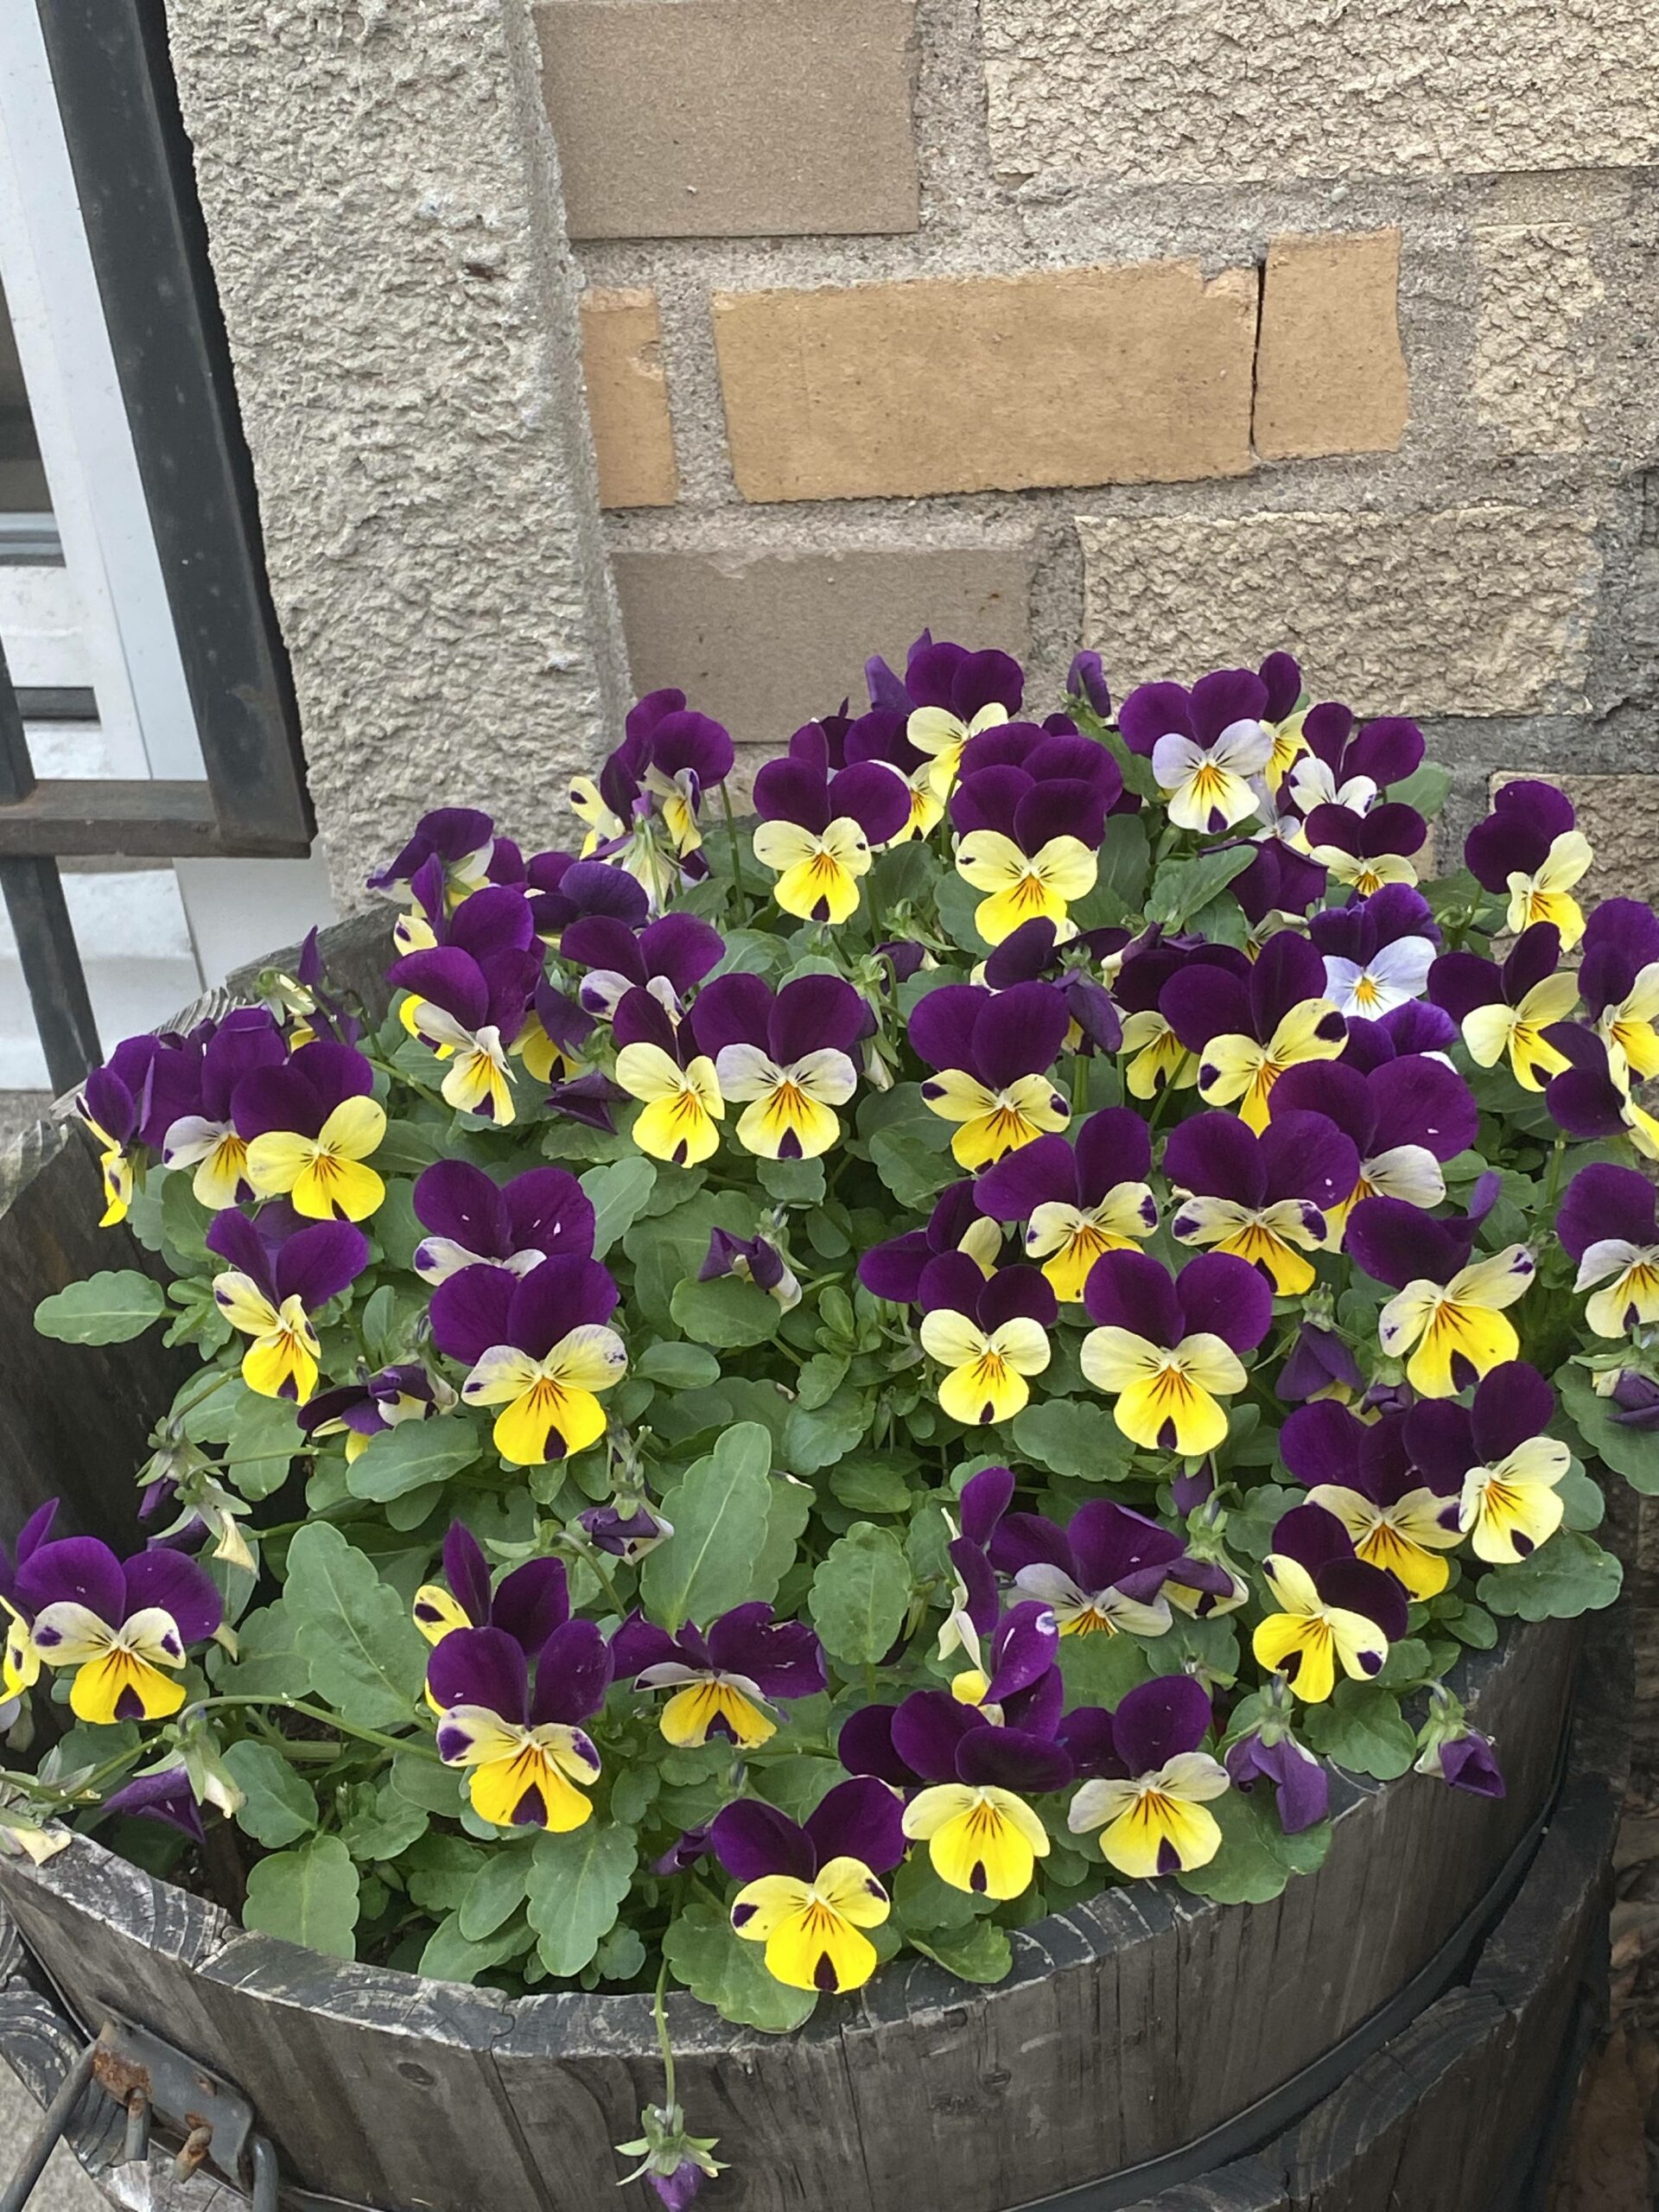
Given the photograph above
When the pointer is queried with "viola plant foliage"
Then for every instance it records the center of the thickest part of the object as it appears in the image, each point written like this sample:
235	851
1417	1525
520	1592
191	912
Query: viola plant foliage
832	1385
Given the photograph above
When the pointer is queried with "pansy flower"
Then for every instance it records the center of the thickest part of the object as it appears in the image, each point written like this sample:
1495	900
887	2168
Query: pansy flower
562	888
119	1624
1281	882
661	1063
1157	1056
1263	1198
626	1528
310	1127
536	1345
1362	1472
893	1270
1365	851
280	1277
528	1603
689	753
1512	1009
1086	685
1494	1456
751	1259
1077	1201
162	1794
1348	768
1378	952
786	1056
881	737
1148	1798
1321	1366
1333	1609
1282	677
668	958
1609	1223
1209	747
990	1336
1453	1752
981	1834
471	1012
1449	1321
527	1757
1267	1752
20	1668
131	1103
386	1400
1585	1100
462	842
1012	1680
206	1137
1529	846
1167	1348
1619	979
952	695
819	831
1103	1575
723	1679
1405	1118
1247	1030
1034	953
496	918
471	1221
990	1051
1029	813
811	1888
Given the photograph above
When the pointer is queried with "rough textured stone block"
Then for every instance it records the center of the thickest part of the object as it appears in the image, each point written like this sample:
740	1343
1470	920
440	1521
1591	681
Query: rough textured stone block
767	640
1330	375
1070	375
627	399
1537	377
1461	610
1215	93
1620	816
731	118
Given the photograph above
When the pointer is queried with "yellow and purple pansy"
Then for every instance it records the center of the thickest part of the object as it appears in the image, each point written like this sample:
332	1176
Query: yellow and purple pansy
819	830
1209	747
127	1106
1362	1471
948	696
310	1127
1518	1010
811	1889
281	1274
881	737
1103	1575
893	1270
1148	1786
461	841
991	1335
1609	1223
1404	1118
785	1057
1077	1199
529	1602
1618	979
661	1061
1156	1058
1493	1455
1378	952
1266	1200
1167	1348
204	1137
124	1626
1246	1030
1449	1320
528	1760
1333	1610
1530	846
724	1679
990	1053
381	1400
536	1345
1029	809
1365	849
470	1012
471	1221
1341	767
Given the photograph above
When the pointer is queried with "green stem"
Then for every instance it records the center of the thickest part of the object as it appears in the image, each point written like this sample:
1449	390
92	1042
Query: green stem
77	1792
1557	1160
737	856
328	1719
659	2012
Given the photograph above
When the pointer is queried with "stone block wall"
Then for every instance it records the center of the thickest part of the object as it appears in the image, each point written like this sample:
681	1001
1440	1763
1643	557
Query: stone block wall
1185	331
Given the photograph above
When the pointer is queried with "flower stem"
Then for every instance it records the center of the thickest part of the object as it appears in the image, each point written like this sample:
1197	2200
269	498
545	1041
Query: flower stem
659	2012
328	1719
737	858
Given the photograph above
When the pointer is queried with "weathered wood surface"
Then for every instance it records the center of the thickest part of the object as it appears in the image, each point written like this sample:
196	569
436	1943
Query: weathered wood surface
1128	2027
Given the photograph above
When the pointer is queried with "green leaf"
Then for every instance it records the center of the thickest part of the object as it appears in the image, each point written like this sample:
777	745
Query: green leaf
620	1193
383	1823
366	1654
264	1439
1581	1496
1256	1858
110	1308
979	1952
576	1885
308	1897
860	1594
1361	1727
450	1956
913	1170
184	1220
957	902
268	1661
1101	1670
792	1182
1567	1576
498	1890
279	1807
423	1782
816	1436
1632	1453
789	1508
412	1455
921	1900
869	1486
1181	888
719	1514
1425	788
1121	880
678	1367
727	1311
1070	1437
707	1958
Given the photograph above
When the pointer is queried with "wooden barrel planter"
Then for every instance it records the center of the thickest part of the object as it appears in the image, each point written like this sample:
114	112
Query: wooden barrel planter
1388	2030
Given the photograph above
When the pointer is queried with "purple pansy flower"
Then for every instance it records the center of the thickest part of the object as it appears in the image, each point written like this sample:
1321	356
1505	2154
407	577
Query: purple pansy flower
132	1101
881	735
1157	1057
1269	1752
989	1335
663	1064
527	1757
810	1888
1320	1365
379	1401
1530	846
537	1347
1102	1574
818	830
528	1604
204	1136
981	1836
668	958
1378	951
894	1270
1027	838
1332	1610
310	1127
1247	1029
991	1051
752	1259
1404	1118
1609	1223
563	889
495	919
280	1276
118	1622
628	1528
473	1010
162	1794
1279	879
1518	1009
722	1679
948	695
1362	1471
1266	1199
786	1056
1365	851
1494	1457
1167	1348
1085	682
1033	953
461	841
471	1220
1149	1785
1078	1199
1209	747
1449	1322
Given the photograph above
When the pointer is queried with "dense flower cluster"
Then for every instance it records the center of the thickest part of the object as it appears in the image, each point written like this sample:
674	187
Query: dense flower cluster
837	1383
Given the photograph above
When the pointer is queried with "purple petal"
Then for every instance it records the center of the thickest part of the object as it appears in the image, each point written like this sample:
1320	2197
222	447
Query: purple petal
492	921
1397	1244
1159	1720
1282	677
1232	694
179	1585
1019	1033
1026	1644
1307	1156
815	1014
952	1284
1133	1291
603	941
456	1200
321	1261
783	1659
894	1270
1322	1444
1333	1089
166	1796
874	796
1467	1762
1419	1101
1512	1405
791	791
1358	1588
942	1025
573	1673
1085	1735
639	1643
236	1239
1301	1784
532	1602
1536	954
984	1498
681	949
1387	751
480	1666
1110	1544
1604	1202
470	1312
560	1296
548	1211
76	1570
1202	1002
733	1010
1461	982
1010	1758
1526	819
1022	1294
1217	1155
1289	972
1314	1538
865	1746
1318	1359
1086	680
1225	1297
468	1573
1152	711
1113	1146
1440	1442
861	1820
752	1841
927	1730
1039	1173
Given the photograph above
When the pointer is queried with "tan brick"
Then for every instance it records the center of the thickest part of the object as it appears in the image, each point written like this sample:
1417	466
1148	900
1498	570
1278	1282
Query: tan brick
1140	91
767	640
731	118
1620	816
627	399
1461	610
1330	375
1536	375
1131	375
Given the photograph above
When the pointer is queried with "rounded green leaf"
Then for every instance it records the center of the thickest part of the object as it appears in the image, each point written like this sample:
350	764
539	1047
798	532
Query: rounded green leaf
575	1887
110	1308
860	1594
308	1897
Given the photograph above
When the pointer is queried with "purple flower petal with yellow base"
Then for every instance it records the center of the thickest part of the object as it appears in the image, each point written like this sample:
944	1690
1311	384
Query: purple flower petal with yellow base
723	1680
538	1349
1247	1031
1077	1200
894	1270
165	1795
989	1336
529	1761
1262	1198
1609	1223
1167	1350
310	1127
280	1275
1334	1611
123	1626
785	1057
992	1051
1449	1322
810	1889
1152	1811
471	1220
1531	846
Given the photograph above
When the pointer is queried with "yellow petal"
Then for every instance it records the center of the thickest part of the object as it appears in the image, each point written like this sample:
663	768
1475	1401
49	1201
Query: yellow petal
693	1711
547	1421
1161	1835
988	1845
123	1687
526	1790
